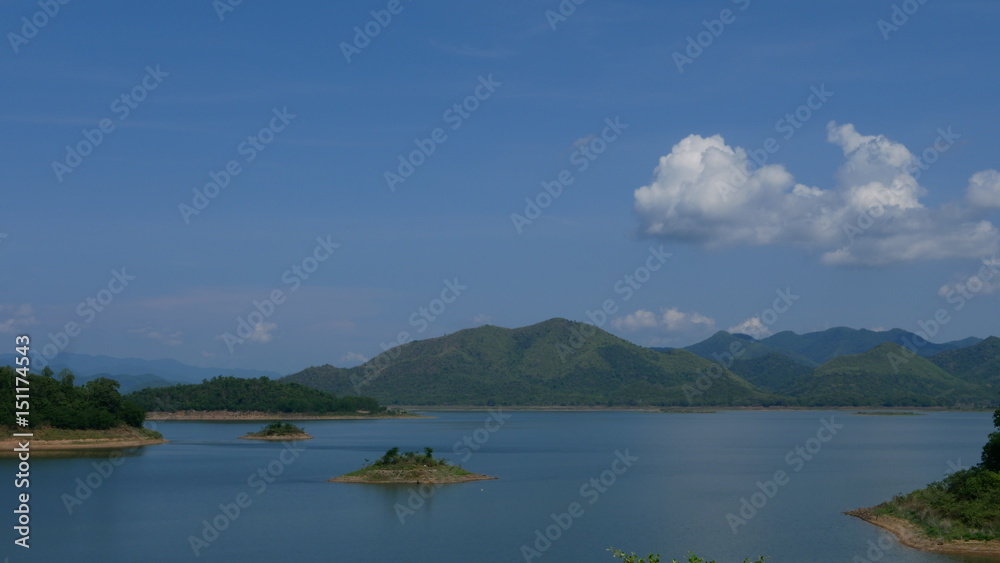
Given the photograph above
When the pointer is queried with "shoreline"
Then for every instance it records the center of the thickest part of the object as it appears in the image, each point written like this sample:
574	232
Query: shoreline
83	444
435	481
669	408
285	438
229	416
909	534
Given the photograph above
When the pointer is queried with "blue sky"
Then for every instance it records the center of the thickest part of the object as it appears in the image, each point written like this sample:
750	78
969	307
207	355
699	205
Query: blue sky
856	212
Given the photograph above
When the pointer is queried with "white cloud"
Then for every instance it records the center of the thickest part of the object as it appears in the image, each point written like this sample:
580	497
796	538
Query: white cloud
984	282
635	321
676	320
984	189
706	192
672	320
262	332
753	327
481	319
16	318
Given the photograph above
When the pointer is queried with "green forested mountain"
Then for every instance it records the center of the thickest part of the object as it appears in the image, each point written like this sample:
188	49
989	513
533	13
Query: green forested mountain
887	375
560	362
556	362
823	346
772	372
722	341
237	394
978	364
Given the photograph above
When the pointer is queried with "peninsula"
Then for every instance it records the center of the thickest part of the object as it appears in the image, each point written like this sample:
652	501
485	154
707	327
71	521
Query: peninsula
66	416
233	398
959	514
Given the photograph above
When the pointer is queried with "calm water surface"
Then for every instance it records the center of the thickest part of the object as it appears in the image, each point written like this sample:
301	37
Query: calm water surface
685	473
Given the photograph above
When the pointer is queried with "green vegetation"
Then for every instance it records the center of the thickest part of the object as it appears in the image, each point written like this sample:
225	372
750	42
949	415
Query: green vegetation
409	467
392	458
979	364
263	394
130	383
560	362
748	348
58	403
278	429
821	347
963	506
991	451
887	375
557	362
771	372
655	558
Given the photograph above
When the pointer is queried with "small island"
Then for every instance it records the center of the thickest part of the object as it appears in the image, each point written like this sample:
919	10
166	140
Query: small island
278	431
959	514
410	467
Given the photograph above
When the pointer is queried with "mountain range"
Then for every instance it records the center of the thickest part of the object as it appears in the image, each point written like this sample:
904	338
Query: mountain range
562	362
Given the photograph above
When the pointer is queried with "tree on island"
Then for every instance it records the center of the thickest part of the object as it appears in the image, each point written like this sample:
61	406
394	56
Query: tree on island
393	457
410	467
280	429
655	558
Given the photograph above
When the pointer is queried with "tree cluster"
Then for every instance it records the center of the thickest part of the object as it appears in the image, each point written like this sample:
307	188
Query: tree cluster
393	457
240	394
57	402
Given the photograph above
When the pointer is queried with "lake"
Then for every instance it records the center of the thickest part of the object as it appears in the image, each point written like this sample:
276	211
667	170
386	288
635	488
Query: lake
642	482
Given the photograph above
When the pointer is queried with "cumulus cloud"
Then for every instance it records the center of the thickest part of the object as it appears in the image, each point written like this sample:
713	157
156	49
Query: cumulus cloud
984	189
672	320
709	193
985	281
262	332
753	327
635	321
15	318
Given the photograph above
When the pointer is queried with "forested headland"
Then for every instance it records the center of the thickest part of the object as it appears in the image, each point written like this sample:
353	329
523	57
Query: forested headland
260	394
56	401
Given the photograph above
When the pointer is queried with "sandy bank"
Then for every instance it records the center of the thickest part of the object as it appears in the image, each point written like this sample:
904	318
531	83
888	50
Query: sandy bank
260	415
7	446
429	479
909	534
661	408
